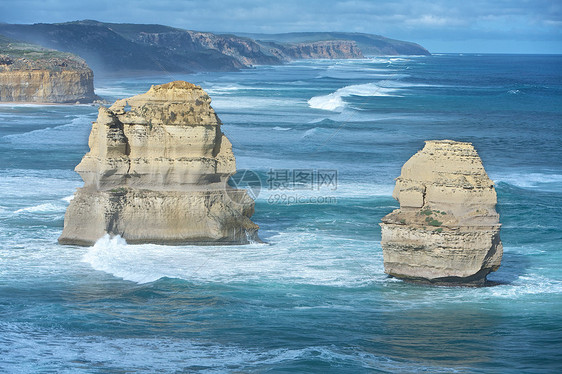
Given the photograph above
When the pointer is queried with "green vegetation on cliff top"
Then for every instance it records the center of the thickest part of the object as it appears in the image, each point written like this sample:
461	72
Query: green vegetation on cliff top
18	49
112	47
17	55
369	44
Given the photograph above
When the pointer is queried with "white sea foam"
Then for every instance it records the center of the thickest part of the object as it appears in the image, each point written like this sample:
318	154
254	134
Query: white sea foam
399	59
311	132
58	351
354	71
252	102
41	208
117	91
525	285
388	60
541	181
37	185
279	128
282	260
68	199
57	135
218	89
335	102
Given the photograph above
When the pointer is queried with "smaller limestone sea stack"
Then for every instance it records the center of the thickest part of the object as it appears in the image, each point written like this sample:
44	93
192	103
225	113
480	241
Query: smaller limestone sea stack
447	229
157	172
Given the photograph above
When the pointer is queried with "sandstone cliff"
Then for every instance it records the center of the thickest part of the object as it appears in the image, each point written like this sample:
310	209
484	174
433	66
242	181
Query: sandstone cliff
134	48
368	44
328	49
447	229
30	73
157	172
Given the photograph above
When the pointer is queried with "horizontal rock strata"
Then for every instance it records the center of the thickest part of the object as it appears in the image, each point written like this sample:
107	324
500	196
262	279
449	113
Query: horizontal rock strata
157	172
31	74
447	229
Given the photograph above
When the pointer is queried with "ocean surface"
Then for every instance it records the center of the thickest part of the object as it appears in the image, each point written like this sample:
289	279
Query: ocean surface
314	298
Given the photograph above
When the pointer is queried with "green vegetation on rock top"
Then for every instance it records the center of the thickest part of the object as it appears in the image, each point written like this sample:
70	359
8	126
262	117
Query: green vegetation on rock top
17	55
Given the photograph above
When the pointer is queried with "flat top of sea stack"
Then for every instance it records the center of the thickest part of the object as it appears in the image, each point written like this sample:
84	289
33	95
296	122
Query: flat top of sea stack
177	103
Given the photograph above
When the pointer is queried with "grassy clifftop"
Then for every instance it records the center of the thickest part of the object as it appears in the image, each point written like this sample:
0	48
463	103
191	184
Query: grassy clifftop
369	44
18	55
118	48
33	74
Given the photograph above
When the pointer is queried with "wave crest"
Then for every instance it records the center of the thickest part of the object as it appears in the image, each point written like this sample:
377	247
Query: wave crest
334	101
282	260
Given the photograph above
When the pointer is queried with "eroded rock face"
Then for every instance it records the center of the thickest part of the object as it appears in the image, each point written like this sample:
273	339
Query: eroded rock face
327	49
45	80
447	229
157	172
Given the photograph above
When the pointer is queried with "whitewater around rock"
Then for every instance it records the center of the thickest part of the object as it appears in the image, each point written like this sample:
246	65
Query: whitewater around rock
447	228
157	172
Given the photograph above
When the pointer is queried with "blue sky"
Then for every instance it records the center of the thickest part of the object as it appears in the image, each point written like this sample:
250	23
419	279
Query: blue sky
501	26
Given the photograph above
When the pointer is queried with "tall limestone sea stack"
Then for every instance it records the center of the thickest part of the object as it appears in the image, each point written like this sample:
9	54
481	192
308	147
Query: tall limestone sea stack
157	172
447	229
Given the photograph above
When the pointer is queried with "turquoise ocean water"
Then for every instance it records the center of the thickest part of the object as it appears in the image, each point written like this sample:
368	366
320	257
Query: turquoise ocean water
315	297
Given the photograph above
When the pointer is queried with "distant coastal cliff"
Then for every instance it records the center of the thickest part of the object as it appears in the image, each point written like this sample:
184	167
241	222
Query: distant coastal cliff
132	48
29	73
328	49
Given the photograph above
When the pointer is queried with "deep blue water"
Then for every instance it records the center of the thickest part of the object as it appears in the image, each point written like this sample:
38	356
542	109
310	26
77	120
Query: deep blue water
315	298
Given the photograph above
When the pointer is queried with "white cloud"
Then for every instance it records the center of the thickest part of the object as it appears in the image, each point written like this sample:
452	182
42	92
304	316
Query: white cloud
435	21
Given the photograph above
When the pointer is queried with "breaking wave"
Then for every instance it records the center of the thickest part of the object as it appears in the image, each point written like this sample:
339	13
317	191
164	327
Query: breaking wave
335	102
539	181
280	261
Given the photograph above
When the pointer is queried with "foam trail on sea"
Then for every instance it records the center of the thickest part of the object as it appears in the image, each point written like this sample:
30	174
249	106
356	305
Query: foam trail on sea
282	260
68	199
37	186
56	135
134	354
530	180
116	91
251	102
41	208
335	102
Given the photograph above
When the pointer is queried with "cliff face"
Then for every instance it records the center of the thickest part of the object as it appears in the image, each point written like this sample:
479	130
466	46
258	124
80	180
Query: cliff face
368	44
111	47
31	74
329	49
248	52
157	172
447	229
243	52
